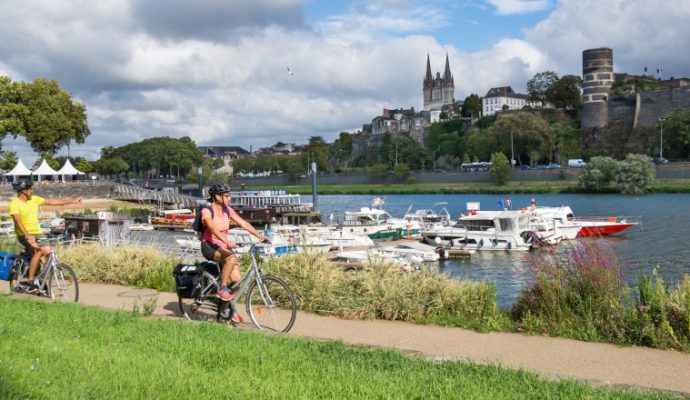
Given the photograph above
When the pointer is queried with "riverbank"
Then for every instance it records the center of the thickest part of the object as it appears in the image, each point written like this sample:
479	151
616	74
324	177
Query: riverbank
511	187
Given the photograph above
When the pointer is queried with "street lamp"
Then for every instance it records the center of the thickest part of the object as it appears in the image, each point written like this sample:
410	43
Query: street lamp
661	139
512	153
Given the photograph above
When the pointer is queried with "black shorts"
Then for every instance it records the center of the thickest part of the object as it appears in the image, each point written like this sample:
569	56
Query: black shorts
39	239
208	250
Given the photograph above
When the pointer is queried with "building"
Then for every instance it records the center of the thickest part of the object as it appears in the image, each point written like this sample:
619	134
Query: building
438	91
225	153
503	98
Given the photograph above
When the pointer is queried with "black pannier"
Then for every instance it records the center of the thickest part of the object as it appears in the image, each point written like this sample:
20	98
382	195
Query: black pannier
188	280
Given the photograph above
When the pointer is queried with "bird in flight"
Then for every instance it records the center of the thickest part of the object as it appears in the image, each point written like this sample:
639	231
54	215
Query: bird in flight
290	71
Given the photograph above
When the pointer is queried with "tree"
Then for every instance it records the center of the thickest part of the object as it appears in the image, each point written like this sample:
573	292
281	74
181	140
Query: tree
500	168
480	146
599	174
111	166
540	85
472	106
565	92
529	134
401	171
46	116
634	174
12	111
9	160
676	134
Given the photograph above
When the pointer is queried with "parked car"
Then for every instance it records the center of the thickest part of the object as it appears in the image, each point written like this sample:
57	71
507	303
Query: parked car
576	163
525	166
659	160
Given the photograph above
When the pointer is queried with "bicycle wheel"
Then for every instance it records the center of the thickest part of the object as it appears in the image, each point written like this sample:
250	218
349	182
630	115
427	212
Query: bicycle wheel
18	270
63	285
271	305
201	308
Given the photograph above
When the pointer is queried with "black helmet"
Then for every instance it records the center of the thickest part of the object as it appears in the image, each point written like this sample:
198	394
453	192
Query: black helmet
22	184
218	188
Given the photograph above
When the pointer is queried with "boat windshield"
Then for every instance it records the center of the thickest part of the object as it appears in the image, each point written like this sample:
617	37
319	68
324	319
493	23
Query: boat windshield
475	224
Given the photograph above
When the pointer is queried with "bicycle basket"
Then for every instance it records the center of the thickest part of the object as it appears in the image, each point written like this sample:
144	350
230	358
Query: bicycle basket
187	280
6	260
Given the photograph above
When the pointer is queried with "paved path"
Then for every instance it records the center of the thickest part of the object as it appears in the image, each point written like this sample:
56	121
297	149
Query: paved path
551	357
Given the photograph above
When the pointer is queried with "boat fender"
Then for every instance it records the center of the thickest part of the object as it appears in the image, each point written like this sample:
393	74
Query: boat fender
481	242
510	245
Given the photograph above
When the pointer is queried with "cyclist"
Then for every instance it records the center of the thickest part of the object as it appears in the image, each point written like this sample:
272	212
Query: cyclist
24	212
215	244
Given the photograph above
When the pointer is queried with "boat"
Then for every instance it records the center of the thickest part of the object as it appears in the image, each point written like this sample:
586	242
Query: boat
434	217
425	252
262	207
378	224
6	228
567	223
485	231
364	258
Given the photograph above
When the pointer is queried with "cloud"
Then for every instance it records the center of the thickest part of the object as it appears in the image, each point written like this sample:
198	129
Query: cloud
216	20
509	7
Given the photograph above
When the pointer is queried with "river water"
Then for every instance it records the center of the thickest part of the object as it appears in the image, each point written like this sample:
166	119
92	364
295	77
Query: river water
662	240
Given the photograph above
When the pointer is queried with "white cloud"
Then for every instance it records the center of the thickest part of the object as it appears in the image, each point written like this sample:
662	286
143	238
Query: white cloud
508	7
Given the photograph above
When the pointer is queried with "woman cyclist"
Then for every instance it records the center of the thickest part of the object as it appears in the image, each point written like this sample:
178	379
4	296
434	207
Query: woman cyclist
215	245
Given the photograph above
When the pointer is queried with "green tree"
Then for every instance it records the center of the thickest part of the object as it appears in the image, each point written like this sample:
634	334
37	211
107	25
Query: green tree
472	106
480	146
540	86
13	112
676	134
83	165
529	133
565	92
111	166
500	168
9	160
635	174
599	174
401	171
52	119
378	170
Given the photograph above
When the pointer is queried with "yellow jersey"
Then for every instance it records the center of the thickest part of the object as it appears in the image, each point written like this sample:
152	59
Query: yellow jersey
28	214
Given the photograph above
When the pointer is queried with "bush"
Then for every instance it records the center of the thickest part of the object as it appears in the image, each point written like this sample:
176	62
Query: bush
500	168
635	174
599	174
577	292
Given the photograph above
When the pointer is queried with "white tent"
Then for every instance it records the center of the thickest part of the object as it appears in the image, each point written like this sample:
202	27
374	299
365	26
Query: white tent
68	169
18	170
44	170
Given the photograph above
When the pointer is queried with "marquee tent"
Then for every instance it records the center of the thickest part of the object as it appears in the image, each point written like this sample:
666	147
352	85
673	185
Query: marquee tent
44	170
18	170
68	169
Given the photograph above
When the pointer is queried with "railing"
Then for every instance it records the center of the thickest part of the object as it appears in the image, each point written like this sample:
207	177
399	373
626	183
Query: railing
139	194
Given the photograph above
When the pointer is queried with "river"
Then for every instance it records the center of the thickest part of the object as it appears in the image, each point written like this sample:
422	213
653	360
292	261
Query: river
663	238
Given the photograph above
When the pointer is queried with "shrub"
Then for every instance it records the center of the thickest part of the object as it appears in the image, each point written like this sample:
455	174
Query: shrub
577	292
634	174
500	168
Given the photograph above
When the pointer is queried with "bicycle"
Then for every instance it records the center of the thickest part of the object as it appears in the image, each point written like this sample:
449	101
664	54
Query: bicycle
58	281
270	303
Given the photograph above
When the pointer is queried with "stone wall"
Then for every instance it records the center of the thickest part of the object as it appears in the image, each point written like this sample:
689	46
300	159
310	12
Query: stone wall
90	190
657	103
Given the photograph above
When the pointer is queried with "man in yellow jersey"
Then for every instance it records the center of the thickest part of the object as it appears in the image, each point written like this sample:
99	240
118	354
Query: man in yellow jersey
24	212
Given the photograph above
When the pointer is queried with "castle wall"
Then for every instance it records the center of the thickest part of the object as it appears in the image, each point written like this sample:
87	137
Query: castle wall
597	78
657	103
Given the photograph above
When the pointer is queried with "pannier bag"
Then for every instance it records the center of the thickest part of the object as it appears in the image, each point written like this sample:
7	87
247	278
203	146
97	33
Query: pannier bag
6	260
187	280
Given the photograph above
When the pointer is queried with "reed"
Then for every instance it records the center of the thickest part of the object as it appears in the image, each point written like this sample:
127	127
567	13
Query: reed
384	291
141	266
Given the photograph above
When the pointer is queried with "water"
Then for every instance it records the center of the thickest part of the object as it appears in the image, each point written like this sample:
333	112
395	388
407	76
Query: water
663	239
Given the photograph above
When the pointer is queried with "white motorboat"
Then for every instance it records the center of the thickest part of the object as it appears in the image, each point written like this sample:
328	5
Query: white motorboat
485	231
425	252
378	224
435	217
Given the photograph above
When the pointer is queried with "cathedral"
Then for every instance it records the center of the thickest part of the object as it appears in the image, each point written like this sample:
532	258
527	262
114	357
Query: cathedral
438	91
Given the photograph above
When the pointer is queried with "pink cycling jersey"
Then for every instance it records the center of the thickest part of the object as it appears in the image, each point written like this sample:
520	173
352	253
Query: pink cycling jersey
221	221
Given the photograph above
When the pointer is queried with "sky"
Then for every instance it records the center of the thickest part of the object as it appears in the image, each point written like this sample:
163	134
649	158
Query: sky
217	70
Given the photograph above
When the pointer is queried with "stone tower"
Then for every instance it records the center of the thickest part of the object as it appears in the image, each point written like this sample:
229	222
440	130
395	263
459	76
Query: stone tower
440	90
597	78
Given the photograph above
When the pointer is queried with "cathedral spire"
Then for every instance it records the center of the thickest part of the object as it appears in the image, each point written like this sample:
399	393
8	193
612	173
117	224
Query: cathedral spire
428	76
446	74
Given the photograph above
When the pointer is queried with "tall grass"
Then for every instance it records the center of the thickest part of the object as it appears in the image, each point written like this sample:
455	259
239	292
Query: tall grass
142	266
384	291
580	293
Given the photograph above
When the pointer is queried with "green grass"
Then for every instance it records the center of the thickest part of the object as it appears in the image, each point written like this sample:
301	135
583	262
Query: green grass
68	351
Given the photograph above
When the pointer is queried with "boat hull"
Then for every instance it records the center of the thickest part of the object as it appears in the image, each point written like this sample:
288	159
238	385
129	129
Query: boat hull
602	229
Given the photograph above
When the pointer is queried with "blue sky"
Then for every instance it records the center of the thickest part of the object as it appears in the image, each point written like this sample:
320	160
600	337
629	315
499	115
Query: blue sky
216	70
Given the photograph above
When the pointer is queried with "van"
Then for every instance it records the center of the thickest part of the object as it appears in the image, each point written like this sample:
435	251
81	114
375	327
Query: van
576	163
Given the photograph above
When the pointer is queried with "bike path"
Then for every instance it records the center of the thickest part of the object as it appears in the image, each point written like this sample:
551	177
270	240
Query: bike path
550	357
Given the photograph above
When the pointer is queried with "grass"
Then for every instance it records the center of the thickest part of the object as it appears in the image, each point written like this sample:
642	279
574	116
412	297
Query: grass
68	351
